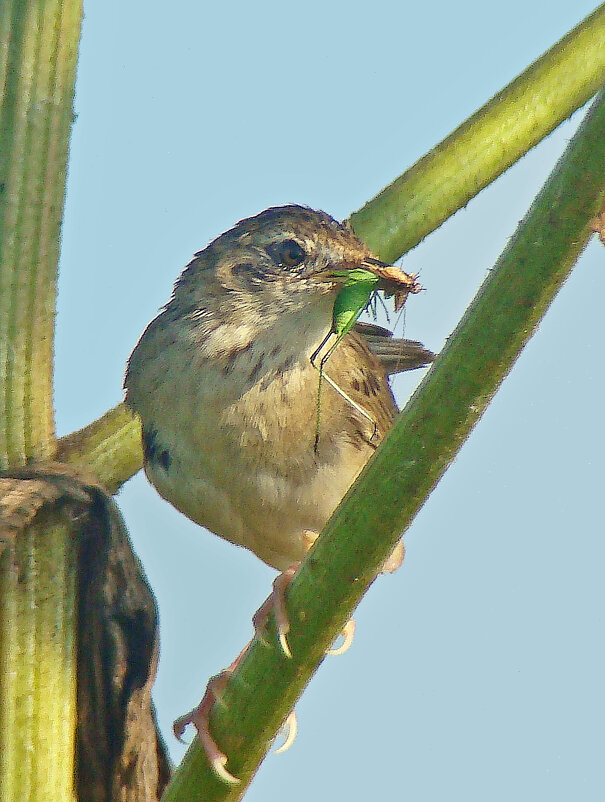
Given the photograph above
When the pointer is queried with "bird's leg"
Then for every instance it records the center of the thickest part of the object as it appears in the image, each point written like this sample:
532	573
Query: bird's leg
277	599
322	375
200	718
277	602
200	715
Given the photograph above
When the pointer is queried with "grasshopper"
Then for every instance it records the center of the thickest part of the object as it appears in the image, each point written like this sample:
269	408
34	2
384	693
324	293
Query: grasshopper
361	283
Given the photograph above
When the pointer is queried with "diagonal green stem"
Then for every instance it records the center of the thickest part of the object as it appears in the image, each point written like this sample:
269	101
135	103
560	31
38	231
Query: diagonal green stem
38	50
411	460
111	444
487	144
417	202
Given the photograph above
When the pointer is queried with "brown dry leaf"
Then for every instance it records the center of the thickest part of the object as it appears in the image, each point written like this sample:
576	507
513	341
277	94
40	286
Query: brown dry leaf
120	754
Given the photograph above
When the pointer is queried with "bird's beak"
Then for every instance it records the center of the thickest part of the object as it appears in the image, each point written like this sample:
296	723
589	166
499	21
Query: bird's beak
390	279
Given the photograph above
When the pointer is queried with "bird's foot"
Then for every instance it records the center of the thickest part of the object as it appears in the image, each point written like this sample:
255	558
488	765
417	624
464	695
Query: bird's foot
200	715
276	601
200	718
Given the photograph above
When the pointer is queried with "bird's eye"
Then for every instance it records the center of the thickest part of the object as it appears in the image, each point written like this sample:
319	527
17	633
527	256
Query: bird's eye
288	253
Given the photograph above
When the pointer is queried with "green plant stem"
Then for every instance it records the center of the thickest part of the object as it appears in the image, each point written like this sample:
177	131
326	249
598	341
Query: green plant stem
411	460
112	444
38	664
38	50
425	195
487	144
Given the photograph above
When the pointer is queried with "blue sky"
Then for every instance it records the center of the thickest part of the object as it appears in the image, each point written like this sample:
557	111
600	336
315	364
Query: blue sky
477	669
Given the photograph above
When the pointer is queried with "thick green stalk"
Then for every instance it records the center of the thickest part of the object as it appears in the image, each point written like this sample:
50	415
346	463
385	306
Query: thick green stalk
38	664
38	49
417	202
411	460
487	144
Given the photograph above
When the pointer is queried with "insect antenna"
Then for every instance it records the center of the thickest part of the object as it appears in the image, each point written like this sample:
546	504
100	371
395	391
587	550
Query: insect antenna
323	375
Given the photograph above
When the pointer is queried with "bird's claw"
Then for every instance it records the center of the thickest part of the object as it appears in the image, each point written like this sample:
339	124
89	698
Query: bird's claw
276	602
218	761
290	726
199	717
347	633
180	725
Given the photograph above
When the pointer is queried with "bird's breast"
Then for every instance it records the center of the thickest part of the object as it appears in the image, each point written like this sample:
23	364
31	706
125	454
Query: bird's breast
244	464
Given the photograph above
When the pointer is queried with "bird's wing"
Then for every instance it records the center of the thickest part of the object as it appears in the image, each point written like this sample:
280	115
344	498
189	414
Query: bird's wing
396	355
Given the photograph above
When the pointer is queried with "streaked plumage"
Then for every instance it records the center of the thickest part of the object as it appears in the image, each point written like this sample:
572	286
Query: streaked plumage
227	395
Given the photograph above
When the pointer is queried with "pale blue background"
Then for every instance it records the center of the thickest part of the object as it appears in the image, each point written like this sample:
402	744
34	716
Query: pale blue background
477	671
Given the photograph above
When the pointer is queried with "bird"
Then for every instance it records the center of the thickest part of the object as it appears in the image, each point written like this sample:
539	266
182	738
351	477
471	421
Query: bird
226	389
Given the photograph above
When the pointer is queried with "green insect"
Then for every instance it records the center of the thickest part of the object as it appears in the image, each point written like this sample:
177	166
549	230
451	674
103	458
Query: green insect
350	302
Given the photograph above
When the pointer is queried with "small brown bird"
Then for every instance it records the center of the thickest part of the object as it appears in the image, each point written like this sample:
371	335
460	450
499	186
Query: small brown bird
223	382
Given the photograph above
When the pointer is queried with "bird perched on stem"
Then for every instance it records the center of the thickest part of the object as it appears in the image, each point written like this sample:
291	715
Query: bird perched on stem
224	385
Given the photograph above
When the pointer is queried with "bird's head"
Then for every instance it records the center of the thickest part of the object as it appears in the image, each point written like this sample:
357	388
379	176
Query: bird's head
285	258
